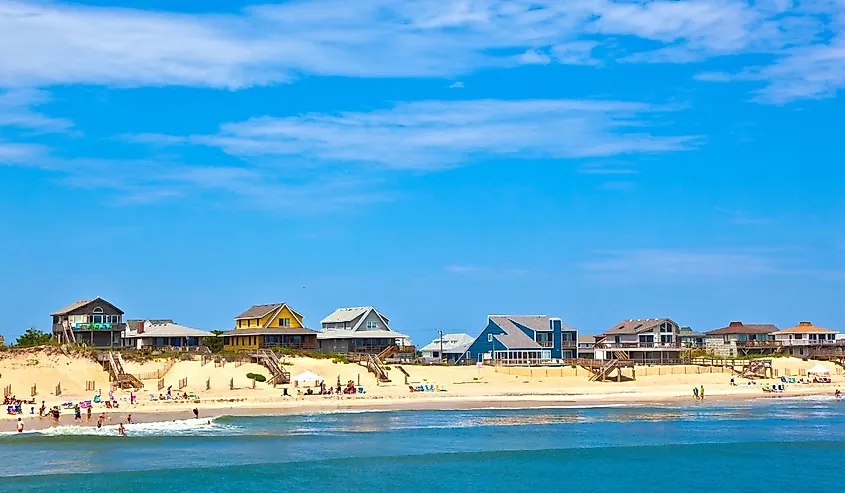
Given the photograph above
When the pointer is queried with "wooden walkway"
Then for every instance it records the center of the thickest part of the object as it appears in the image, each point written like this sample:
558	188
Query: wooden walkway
601	369
745	368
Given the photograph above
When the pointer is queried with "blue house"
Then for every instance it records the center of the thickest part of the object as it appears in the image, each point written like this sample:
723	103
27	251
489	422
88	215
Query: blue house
522	339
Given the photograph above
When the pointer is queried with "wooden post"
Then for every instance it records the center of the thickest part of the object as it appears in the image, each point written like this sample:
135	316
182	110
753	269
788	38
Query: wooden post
208	384
253	383
59	389
33	391
232	384
634	372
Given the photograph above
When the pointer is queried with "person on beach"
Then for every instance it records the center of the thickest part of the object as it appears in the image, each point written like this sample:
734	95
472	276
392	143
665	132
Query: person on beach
100	420
132	398
20	425
42	410
837	394
121	430
732	381
129	419
77	413
196	413
89	413
702	392
695	392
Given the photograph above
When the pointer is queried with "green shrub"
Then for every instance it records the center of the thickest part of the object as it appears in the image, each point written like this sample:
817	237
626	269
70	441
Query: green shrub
257	377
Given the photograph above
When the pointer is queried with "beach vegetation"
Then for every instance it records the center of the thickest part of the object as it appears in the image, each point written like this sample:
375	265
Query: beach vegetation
215	344
33	337
257	377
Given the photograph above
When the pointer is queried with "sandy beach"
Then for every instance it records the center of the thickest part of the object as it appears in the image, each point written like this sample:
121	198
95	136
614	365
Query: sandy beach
460	387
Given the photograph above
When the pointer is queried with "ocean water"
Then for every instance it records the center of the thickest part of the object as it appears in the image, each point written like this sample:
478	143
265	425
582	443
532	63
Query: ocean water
771	445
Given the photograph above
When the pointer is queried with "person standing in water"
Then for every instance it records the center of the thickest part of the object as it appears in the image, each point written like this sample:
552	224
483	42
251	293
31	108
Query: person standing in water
121	430
100	420
20	425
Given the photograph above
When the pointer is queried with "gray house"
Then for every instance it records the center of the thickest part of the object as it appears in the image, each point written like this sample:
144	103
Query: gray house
94	323
358	330
647	340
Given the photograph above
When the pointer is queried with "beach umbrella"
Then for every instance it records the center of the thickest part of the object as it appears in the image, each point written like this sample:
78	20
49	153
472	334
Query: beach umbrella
819	368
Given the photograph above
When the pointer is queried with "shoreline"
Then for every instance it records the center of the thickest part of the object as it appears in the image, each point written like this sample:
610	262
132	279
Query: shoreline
363	405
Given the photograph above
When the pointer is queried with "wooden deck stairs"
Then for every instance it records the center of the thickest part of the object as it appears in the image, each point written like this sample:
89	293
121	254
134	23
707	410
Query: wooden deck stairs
268	359
118	374
407	375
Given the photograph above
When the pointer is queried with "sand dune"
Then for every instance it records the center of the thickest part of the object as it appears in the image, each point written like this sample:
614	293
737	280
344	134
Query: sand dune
46	367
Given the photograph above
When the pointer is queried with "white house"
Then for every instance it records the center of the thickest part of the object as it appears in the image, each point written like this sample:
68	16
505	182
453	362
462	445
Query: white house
450	347
162	334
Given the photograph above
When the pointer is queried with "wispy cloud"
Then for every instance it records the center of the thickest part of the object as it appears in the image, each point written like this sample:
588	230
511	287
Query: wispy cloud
51	43
666	266
439	134
16	110
742	217
456	85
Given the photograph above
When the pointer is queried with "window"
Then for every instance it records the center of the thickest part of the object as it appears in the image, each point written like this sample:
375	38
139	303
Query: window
98	319
371	325
97	310
489	337
284	322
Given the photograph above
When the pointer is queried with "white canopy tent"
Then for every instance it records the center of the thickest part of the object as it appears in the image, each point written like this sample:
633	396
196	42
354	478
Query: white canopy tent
308	377
819	369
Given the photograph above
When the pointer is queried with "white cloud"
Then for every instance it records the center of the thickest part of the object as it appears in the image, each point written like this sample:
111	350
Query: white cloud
43	44
456	85
440	134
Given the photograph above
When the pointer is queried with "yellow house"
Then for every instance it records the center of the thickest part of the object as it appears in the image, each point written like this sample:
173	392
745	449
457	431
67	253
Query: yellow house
265	326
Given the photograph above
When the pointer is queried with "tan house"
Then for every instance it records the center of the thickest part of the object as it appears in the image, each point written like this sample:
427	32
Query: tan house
798	340
739	339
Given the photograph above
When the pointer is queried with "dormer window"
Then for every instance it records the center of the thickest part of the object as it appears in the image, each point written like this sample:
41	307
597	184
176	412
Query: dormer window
284	322
372	325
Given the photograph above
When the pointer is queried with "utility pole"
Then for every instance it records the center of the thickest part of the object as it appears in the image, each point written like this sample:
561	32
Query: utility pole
441	344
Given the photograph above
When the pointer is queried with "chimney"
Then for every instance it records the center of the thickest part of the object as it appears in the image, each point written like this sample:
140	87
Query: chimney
804	324
736	324
139	326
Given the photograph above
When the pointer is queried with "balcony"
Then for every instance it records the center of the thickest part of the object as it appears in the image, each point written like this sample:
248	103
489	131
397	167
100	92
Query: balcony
758	344
302	346
98	327
640	345
545	343
806	342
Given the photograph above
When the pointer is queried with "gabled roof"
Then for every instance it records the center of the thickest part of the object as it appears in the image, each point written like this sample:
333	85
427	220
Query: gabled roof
586	339
741	328
343	315
514	337
163	328
636	326
687	332
451	343
82	303
260	311
806	328
538	323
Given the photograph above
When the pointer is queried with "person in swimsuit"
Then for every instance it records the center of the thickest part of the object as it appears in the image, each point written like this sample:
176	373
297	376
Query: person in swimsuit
20	425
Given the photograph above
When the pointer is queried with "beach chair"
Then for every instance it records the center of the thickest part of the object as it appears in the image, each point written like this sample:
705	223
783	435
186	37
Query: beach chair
783	379
781	388
430	388
766	389
153	397
360	390
411	387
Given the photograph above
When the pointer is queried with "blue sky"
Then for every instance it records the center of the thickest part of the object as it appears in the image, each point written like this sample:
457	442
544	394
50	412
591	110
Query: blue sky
442	160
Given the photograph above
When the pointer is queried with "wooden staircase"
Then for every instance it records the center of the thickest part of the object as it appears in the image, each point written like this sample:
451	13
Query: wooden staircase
407	375
270	360
601	374
376	367
118	374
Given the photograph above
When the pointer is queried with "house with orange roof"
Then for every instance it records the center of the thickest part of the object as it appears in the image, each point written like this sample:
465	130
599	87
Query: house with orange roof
798	340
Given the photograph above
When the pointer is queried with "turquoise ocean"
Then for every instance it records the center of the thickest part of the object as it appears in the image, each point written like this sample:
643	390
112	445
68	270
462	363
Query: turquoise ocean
766	445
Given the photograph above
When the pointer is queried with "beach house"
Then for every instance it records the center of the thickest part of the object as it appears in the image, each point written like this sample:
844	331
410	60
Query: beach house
691	339
95	323
268	326
738	339
448	348
162	334
804	338
522	339
586	347
645	340
362	330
